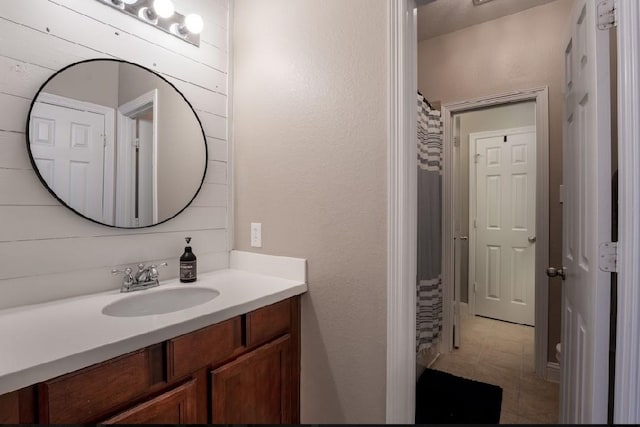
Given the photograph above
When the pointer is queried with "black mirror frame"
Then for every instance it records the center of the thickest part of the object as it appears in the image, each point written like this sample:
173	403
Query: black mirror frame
41	178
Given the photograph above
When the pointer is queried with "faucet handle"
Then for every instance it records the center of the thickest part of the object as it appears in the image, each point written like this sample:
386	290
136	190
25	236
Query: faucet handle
128	277
141	267
126	271
153	270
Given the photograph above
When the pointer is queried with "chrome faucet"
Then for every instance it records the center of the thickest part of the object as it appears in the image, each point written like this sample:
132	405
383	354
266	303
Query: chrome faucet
145	278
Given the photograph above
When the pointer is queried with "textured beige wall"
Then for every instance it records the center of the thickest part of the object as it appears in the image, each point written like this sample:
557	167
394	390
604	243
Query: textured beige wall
489	119
515	52
310	82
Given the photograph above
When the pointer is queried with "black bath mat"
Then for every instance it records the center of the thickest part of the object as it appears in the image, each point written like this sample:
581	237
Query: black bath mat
442	398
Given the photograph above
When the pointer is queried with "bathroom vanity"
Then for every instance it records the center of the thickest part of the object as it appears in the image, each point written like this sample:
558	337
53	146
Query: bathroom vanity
234	359
225	349
243	370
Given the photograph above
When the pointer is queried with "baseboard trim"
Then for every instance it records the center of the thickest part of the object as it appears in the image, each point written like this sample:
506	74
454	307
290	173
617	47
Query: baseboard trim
553	372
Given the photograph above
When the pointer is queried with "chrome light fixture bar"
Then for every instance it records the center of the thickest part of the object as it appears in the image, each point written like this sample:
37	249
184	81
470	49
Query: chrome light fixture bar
162	15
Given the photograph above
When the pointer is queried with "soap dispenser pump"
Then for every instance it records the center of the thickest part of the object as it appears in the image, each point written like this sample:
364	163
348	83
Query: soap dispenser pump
188	264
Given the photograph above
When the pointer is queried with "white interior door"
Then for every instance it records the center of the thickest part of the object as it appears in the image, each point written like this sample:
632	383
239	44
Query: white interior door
587	219
68	148
503	221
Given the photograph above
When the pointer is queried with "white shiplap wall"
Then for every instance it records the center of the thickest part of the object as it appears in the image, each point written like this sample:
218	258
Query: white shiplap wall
46	251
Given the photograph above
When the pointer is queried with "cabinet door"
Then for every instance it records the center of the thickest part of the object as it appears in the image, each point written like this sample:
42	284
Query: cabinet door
255	388
177	406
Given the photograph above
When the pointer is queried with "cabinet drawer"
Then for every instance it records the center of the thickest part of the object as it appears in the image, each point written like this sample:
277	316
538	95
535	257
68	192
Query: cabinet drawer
268	322
83	396
203	347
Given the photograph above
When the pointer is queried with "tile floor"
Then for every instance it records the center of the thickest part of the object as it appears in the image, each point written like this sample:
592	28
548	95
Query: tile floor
501	353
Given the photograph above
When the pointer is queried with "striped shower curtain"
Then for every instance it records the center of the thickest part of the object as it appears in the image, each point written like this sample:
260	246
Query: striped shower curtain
429	279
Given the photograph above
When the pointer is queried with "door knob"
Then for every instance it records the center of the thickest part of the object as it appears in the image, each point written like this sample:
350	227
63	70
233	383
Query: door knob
532	239
464	238
555	272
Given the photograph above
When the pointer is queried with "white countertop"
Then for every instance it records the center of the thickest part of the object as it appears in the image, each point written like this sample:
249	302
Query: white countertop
40	342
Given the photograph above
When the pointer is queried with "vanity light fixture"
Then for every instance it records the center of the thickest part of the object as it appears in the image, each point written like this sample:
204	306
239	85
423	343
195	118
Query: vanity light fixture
192	24
164	8
480	2
162	15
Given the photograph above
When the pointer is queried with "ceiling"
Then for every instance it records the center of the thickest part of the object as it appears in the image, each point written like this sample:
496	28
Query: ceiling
445	16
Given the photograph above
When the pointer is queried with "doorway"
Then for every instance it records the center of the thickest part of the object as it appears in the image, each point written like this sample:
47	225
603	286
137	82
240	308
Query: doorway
137	180
402	31
496	296
502	346
495	170
525	112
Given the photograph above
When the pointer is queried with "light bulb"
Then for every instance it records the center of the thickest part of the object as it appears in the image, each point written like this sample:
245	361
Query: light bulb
163	8
130	1
194	23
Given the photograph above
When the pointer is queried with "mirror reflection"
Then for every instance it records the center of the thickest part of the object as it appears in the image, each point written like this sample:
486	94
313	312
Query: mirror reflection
117	143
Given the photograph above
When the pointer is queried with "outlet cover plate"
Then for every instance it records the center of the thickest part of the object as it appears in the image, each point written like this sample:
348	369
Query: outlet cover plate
256	235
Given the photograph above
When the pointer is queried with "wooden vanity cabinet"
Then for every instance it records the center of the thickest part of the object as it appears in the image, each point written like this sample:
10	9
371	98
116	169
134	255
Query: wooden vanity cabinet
243	370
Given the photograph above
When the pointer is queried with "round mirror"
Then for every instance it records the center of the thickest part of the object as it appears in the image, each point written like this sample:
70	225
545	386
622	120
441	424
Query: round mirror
116	143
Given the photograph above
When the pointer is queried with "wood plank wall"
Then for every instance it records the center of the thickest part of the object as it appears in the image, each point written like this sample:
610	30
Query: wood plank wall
46	251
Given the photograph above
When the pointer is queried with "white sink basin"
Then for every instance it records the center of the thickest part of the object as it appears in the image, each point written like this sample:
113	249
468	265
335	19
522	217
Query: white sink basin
159	302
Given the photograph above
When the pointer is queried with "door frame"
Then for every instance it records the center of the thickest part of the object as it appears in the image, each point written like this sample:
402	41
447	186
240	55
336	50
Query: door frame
473	197
627	377
402	213
540	96
124	176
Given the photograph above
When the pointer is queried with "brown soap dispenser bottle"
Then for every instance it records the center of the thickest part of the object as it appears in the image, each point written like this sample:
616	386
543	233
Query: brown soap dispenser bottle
188	264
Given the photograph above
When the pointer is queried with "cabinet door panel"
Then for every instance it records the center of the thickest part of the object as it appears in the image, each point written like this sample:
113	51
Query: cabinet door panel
10	408
255	388
177	406
268	322
85	395
207	346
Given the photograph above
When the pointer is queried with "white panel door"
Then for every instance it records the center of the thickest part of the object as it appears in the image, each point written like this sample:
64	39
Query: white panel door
587	219
68	148
503	224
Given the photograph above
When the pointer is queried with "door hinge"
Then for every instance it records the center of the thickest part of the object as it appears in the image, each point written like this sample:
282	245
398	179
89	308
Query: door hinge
136	143
456	141
608	257
475	288
475	223
607	16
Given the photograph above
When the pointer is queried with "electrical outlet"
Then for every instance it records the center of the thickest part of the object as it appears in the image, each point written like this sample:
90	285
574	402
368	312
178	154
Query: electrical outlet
256	235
